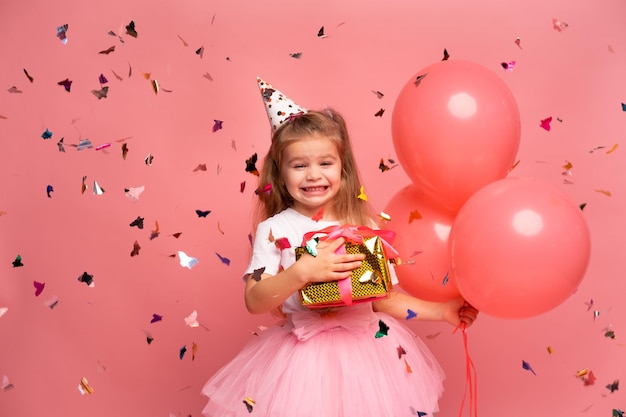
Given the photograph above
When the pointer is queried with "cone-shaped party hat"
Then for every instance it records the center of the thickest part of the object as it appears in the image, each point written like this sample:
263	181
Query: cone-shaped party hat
278	106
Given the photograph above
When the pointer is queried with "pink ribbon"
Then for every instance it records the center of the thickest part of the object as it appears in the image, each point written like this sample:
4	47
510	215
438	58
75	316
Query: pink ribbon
355	234
308	323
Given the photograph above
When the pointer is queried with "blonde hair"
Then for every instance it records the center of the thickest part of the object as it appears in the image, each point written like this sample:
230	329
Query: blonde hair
330	124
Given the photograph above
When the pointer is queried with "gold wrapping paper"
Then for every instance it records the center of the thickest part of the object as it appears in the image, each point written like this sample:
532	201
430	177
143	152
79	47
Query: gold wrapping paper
369	282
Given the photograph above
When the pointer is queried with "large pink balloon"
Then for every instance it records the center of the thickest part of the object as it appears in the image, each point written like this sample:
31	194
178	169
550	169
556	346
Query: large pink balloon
455	130
518	248
422	229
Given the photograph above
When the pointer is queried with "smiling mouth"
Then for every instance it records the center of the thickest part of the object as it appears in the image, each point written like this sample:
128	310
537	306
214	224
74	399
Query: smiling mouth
315	189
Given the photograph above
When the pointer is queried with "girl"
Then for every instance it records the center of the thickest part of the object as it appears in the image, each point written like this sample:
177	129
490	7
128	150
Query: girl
334	362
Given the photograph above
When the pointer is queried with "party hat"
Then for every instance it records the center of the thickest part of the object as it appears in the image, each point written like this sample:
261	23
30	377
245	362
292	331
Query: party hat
278	106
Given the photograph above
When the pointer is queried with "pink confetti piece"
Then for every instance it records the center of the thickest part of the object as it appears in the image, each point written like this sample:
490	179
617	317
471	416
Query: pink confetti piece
39	286
545	123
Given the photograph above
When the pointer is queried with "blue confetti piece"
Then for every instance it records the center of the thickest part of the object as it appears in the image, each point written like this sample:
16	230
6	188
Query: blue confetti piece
49	189
46	135
181	353
623	106
224	260
445	279
527	367
410	314
217	125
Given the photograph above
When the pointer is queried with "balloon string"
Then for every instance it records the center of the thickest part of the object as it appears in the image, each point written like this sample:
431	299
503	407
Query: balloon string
470	377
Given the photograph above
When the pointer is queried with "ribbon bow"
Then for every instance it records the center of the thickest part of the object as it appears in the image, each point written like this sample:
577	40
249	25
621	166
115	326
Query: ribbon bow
307	324
355	234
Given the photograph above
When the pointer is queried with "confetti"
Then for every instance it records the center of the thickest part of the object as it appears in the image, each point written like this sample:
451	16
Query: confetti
419	79
138	222
136	249
181	352
410	314
103	146
319	216
119	78
613	149
407	367
613	386
217	125
383	329
148	160
39	286
623	106
242	186
378	94
296	55
3	311
87	279
84	387
46	135
526	366
249	402
545	123
130	29
508	66
379	113
14	90
177	235
84	144
155	86
203	213
518	42
84	185
134	192
320	33
107	51
219	228
418	413
266	189
617	413
102	79
414	215
550	350
155	233
18	261
200	167
362	195
200	51
60	145
582	206
97	190
66	83
282	243
446	55
384	216
257	273
186	261
49	190
52	302
194	350
101	93
401	351
156	318
31	79
558	25
605	192
6	385
192	319
251	165
62	33
223	259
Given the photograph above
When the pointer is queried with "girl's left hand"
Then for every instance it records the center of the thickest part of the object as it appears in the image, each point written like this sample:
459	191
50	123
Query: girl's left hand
457	311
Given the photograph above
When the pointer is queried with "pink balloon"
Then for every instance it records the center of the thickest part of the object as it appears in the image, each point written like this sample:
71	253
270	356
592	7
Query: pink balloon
422	244
455	130
518	248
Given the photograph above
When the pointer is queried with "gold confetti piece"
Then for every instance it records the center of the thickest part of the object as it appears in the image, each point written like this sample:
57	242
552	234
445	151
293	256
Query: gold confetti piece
550	350
408	367
194	350
155	86
362	195
605	192
84	387
582	373
613	148
414	215
249	402
146	75
567	166
385	216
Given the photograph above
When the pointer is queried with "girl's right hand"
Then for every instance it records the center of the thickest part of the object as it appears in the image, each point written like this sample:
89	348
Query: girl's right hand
327	265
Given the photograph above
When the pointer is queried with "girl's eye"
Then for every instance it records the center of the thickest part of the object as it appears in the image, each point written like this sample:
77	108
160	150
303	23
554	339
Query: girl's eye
299	166
326	163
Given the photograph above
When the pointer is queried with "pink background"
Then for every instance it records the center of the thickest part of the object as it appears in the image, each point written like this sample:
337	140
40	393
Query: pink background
99	333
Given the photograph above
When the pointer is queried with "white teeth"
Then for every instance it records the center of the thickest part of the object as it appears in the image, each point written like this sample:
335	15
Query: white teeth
314	189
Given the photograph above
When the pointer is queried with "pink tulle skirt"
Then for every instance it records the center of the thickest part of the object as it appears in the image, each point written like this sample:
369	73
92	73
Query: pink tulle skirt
329	365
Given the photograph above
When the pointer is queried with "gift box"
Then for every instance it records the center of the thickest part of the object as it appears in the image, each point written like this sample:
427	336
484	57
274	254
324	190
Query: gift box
369	282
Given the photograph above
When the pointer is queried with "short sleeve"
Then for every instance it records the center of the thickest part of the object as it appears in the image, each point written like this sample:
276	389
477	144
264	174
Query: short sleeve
265	254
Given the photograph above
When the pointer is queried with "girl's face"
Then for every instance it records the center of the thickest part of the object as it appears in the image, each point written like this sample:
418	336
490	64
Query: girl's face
311	171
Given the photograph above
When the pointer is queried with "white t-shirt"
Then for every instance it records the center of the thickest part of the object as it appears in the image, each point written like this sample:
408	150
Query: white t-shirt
291	225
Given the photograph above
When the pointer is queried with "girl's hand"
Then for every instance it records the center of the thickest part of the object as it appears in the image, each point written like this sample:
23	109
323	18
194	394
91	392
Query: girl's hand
457	311
327	265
